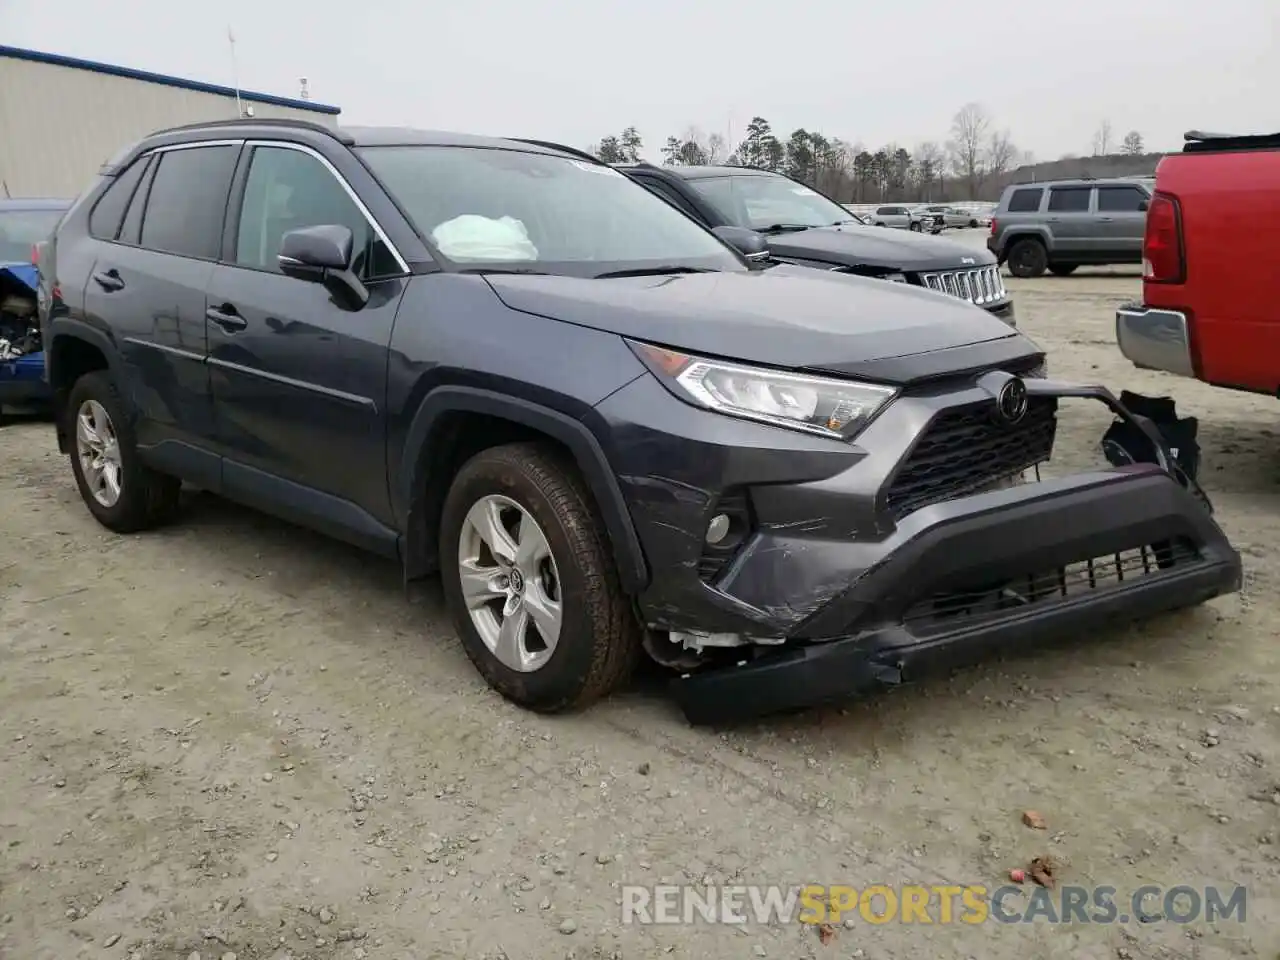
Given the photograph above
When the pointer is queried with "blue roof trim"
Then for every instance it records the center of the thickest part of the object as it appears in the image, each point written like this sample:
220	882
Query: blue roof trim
58	60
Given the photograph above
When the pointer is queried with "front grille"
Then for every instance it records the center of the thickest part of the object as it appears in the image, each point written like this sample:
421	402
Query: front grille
955	608
966	448
980	285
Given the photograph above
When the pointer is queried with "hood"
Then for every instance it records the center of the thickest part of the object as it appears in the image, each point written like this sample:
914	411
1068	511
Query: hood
793	317
854	245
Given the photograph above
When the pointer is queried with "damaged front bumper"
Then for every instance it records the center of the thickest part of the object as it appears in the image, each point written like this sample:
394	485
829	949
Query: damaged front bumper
22	378
839	584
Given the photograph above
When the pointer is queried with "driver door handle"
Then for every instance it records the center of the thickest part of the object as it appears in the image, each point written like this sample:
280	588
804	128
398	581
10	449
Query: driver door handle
227	318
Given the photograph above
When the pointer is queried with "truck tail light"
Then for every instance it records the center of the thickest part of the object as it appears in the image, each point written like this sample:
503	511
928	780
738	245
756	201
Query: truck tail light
35	254
1163	257
993	226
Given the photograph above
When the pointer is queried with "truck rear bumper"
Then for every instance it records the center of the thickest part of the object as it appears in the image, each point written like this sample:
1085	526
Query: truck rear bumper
1155	339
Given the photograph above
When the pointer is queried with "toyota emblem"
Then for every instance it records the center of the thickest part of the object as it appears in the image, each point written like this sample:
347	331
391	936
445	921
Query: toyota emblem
1012	401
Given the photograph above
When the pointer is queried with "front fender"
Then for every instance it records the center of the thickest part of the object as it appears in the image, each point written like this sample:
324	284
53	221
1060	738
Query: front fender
415	471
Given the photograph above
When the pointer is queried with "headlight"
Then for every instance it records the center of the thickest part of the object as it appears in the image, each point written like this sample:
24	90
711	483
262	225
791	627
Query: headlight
822	405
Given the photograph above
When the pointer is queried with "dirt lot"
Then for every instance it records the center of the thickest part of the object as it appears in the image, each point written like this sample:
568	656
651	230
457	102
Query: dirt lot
236	738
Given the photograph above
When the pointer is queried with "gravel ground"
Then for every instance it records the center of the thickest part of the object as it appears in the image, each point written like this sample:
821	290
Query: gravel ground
234	738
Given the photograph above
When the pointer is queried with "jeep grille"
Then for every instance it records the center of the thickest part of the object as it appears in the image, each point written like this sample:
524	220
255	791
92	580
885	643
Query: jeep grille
981	285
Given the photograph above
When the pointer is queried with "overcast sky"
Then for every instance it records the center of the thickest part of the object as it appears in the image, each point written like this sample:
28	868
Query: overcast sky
865	71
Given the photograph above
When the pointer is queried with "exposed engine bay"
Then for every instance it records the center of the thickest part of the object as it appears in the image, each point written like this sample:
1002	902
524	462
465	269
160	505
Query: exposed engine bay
19	325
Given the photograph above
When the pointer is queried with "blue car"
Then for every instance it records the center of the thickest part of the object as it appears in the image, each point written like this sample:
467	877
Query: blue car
23	225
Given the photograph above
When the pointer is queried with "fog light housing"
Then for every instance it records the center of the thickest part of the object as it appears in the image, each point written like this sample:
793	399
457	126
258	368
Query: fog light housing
718	528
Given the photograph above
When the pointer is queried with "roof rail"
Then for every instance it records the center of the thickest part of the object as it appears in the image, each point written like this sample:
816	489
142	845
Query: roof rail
551	145
288	123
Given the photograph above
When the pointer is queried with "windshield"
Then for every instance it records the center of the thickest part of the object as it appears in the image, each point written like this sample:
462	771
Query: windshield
512	211
20	230
762	201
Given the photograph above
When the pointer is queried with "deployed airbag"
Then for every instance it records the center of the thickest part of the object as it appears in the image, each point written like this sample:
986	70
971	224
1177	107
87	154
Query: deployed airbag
472	237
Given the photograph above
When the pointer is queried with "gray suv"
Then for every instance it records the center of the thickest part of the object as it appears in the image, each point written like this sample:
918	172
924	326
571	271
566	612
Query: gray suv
611	433
1063	224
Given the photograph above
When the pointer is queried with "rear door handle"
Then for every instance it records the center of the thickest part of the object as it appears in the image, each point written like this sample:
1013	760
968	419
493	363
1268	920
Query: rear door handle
1105	219
227	318
109	280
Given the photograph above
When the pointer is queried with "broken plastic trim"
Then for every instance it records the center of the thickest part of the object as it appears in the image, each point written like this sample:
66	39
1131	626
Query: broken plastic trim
1164	456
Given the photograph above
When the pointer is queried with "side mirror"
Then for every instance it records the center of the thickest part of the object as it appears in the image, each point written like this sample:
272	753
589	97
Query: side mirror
1142	206
750	244
324	254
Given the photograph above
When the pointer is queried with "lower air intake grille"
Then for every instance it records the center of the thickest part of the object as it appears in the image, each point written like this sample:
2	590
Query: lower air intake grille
953	609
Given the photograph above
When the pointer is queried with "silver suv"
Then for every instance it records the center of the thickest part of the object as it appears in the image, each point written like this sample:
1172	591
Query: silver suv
900	216
1064	224
952	218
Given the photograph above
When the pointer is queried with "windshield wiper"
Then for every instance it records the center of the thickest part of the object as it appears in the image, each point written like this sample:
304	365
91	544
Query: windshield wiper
525	270
651	271
786	228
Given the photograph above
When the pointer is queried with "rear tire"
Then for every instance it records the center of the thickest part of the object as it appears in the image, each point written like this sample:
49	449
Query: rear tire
1062	269
121	492
570	588
1028	259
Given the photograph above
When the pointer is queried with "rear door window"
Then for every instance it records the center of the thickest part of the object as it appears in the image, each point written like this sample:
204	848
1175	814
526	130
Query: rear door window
1025	201
1120	199
1069	199
188	200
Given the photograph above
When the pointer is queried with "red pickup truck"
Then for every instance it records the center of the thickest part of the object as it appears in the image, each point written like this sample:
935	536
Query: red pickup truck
1211	266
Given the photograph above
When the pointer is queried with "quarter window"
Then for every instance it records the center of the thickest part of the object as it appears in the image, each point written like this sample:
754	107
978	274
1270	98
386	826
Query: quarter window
187	201
131	230
1069	199
1025	201
104	221
290	190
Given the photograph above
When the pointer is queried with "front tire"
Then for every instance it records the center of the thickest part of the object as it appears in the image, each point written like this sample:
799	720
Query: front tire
121	492
530	581
1028	259
915	227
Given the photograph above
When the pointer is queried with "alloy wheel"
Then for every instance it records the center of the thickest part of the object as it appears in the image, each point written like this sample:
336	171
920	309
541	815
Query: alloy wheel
98	449
510	583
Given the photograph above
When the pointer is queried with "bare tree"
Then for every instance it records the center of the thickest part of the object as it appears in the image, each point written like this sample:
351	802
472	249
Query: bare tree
716	149
1001	153
969	130
929	170
1132	144
1102	139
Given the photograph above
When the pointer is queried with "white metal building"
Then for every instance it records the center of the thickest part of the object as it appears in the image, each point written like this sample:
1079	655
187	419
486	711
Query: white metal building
61	118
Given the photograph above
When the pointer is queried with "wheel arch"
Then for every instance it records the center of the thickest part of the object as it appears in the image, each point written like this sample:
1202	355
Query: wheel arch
74	349
438	442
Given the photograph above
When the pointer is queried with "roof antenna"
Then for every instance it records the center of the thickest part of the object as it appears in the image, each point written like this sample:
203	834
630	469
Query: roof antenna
235	73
